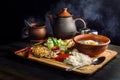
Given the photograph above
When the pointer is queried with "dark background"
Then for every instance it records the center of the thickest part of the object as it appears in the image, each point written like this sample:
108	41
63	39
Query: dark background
107	20
13	14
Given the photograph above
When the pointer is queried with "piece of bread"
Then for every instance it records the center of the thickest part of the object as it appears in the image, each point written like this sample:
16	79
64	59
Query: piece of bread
42	51
70	43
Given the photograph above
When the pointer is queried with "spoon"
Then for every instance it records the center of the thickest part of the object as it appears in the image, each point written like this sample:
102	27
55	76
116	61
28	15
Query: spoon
96	61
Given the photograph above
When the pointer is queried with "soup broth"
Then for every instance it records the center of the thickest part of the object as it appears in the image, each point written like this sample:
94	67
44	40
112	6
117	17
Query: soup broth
89	42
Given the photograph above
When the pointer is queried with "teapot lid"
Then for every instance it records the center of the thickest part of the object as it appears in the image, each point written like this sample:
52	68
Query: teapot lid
64	13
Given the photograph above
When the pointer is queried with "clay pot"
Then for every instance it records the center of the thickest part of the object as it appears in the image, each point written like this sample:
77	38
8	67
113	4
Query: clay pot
36	31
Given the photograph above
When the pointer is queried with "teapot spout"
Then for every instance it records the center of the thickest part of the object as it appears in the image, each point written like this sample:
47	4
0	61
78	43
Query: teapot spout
51	19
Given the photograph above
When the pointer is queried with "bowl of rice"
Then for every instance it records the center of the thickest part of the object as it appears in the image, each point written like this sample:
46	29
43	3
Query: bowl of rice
91	44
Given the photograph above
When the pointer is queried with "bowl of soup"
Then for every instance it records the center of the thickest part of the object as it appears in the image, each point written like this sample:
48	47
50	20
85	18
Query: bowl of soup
91	44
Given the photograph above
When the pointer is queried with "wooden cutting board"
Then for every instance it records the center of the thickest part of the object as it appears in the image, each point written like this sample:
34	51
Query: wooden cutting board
89	69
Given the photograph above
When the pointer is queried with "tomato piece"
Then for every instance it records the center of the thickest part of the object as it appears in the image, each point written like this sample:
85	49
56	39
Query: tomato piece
62	53
62	56
55	48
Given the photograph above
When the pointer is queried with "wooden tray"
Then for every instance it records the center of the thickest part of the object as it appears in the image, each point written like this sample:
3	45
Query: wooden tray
90	69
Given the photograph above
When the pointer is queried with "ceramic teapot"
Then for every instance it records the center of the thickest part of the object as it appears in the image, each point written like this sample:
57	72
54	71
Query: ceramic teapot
64	26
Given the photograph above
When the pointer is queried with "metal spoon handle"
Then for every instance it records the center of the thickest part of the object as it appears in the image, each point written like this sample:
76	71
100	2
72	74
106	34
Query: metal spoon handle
72	68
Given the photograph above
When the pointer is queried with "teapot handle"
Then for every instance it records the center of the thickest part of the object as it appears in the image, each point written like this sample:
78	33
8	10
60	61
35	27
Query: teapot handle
80	19
25	31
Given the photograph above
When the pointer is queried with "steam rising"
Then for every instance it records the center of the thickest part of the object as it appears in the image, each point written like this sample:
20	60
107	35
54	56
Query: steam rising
97	14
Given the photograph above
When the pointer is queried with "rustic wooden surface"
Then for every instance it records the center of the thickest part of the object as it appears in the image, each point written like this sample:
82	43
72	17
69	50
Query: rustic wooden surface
90	69
13	67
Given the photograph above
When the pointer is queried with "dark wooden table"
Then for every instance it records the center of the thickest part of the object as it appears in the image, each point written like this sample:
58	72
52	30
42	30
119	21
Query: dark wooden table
13	67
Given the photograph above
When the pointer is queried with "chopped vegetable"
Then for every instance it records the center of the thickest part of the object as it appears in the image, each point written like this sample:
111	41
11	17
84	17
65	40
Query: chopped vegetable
67	51
52	42
55	41
55	48
62	44
62	55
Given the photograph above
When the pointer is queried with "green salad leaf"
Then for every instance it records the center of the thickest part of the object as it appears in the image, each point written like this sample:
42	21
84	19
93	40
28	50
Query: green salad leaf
51	42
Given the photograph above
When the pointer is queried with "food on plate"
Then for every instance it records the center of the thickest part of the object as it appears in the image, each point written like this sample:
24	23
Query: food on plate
59	50
70	43
89	42
42	51
78	59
